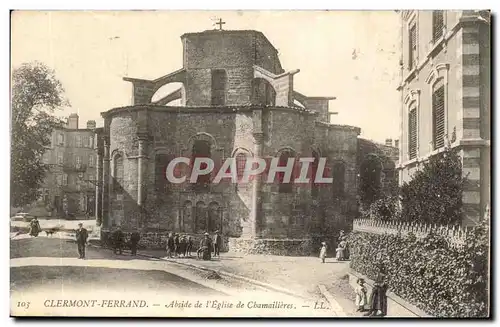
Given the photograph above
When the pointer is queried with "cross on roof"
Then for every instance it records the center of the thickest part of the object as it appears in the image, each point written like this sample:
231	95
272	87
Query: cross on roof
220	23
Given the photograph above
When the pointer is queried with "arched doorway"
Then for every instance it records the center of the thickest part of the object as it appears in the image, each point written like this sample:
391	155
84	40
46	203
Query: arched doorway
201	217
214	217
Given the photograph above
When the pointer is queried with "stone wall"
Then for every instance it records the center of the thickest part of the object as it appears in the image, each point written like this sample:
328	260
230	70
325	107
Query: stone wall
234	51
286	247
158	240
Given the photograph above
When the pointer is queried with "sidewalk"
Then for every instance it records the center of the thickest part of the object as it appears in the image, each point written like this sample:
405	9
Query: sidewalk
302	274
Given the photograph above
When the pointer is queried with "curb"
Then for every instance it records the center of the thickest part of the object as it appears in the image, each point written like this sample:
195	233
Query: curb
226	274
334	305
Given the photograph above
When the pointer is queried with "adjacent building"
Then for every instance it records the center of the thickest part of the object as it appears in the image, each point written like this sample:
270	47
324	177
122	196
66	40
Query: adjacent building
69	187
445	96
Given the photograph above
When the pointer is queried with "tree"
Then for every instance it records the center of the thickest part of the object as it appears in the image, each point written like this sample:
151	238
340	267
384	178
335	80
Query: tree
434	195
370	186
36	94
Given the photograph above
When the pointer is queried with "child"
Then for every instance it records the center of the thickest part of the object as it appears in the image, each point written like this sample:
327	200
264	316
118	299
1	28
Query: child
341	250
322	252
361	298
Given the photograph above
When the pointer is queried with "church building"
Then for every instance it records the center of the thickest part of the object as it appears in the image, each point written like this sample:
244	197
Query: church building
237	101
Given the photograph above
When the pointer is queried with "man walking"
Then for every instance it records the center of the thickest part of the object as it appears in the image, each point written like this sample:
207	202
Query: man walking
81	240
170	245
217	244
189	246
134	240
118	241
176	245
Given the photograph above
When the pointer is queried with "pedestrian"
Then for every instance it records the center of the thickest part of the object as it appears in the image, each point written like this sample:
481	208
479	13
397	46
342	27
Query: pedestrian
322	252
361	298
341	249
81	240
189	247
182	245
205	248
170	245
378	298
217	244
118	239
176	244
35	228
134	240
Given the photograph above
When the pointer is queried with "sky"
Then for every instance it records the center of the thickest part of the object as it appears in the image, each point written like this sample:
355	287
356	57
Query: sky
351	55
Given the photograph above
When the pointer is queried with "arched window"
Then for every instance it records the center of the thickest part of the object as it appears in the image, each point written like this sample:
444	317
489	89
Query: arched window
201	217
285	186
338	175
201	149
118	174
241	160
218	87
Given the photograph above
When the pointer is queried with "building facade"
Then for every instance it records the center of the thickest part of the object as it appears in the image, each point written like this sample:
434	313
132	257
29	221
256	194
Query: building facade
236	102
445	96
70	184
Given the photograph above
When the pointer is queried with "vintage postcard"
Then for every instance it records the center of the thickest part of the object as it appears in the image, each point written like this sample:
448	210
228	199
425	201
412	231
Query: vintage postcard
250	164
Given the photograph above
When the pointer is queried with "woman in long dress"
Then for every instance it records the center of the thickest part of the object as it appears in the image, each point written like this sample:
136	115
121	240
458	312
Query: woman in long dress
35	228
378	297
206	247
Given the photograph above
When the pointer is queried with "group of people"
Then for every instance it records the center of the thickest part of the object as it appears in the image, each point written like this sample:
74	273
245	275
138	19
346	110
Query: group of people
118	241
35	228
342	250
179	245
207	246
377	303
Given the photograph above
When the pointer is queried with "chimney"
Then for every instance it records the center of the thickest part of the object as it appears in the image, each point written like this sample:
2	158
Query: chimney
91	124
73	121
388	142
396	143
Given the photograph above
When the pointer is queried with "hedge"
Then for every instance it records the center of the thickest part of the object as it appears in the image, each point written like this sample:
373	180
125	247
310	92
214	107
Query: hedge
437	278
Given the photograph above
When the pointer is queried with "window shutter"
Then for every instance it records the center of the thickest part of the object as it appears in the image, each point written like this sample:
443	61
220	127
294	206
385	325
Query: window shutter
437	24
413	46
412	133
438	117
